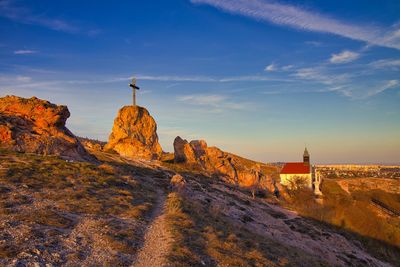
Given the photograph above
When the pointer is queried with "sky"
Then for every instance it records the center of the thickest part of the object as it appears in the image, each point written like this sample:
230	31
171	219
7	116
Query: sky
258	78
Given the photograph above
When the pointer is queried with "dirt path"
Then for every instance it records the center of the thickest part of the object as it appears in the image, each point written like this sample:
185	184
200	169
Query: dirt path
157	240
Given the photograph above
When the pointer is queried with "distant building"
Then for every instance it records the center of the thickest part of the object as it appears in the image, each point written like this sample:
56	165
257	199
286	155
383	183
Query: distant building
304	171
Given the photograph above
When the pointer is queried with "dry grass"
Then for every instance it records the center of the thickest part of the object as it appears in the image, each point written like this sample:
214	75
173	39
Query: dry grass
45	199
205	237
355	217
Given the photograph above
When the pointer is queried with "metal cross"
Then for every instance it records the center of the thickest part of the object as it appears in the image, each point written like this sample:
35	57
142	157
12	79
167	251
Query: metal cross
134	88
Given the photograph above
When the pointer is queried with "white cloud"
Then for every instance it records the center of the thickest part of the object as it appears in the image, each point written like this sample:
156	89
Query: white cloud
287	67
386	63
273	67
24	52
251	78
302	19
321	75
172	78
270	67
387	85
20	14
167	78
345	56
25	16
220	102
203	99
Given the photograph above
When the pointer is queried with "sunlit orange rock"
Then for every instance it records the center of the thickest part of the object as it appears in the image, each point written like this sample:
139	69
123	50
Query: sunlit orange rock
38	126
234	169
183	151
134	134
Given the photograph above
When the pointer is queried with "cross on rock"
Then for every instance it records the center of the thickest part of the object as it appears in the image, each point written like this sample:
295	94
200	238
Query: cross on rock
134	88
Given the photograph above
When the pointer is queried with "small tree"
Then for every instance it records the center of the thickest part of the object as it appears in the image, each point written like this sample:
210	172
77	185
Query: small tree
301	195
297	183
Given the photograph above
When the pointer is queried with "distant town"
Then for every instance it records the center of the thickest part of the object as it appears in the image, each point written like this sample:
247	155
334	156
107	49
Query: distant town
359	171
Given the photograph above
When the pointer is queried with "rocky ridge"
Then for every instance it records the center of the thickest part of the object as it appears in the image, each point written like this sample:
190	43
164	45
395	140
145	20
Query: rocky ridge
234	169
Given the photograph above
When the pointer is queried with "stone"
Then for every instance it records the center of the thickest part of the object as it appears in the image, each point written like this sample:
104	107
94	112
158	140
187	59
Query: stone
199	147
134	134
183	151
38	126
92	144
177	181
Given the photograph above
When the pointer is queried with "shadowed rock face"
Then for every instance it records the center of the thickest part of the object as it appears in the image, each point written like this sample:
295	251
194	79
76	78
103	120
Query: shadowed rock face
134	134
38	126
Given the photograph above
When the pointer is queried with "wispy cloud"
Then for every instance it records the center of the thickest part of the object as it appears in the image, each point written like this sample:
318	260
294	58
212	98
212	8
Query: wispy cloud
386	63
270	67
345	56
172	78
169	78
298	18
203	99
387	85
274	67
221	102
342	79
321	75
10	10
252	78
24	52
23	79
287	67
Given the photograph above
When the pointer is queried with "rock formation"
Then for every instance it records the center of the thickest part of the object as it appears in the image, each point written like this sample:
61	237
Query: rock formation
38	126
134	134
183	151
236	170
92	144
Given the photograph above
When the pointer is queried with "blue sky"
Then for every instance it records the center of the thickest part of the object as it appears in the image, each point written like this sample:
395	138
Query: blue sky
258	78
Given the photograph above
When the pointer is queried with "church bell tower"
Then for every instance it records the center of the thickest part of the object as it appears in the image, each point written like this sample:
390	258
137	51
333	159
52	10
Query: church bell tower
306	156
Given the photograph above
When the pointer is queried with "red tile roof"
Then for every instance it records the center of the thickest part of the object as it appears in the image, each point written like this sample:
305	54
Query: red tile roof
296	168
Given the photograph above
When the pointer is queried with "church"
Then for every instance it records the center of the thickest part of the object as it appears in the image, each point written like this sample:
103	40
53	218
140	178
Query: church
303	170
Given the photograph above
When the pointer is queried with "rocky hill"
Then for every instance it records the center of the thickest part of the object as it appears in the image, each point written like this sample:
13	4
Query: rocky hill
38	126
126	210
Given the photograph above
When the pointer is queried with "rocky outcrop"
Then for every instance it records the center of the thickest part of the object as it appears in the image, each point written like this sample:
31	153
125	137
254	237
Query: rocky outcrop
38	126
236	170
92	144
183	151
134	134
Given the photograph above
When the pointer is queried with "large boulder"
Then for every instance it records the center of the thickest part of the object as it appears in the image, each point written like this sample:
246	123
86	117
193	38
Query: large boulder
38	126
183	151
134	134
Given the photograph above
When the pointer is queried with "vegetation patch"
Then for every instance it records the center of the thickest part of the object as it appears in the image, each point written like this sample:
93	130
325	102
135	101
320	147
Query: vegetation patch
206	237
79	209
353	215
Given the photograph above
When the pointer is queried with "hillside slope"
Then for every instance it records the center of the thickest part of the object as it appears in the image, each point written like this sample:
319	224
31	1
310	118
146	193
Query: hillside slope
76	214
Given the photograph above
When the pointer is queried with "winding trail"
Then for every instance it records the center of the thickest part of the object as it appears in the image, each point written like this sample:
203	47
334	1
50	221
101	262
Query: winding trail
157	239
